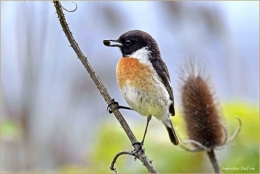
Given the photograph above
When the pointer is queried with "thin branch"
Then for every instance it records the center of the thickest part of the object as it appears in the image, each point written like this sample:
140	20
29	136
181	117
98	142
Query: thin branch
213	160
142	157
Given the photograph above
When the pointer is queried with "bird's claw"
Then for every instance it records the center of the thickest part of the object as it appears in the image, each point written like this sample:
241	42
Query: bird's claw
139	148
112	102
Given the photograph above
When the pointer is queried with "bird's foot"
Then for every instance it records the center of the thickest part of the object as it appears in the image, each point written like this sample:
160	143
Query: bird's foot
139	149
112	102
116	107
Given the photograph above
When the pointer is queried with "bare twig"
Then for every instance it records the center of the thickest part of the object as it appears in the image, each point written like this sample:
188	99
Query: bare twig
115	158
141	156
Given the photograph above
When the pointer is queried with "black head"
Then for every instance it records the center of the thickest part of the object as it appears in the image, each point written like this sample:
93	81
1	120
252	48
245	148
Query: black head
134	40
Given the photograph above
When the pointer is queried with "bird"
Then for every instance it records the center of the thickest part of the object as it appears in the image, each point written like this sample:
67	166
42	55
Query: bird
143	79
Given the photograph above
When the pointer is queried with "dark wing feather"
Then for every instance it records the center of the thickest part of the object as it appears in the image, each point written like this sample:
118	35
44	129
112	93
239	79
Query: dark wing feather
161	69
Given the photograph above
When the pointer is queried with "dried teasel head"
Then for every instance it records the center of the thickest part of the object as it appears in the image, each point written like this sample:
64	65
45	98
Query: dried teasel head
199	106
201	112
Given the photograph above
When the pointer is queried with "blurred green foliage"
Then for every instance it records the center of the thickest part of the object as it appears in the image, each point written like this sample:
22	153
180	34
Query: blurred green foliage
9	130
241	155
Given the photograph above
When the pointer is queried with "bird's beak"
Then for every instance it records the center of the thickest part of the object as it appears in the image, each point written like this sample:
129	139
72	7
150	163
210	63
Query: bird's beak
108	43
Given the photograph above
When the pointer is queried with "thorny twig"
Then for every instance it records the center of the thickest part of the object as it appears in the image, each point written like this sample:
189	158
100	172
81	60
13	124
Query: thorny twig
141	156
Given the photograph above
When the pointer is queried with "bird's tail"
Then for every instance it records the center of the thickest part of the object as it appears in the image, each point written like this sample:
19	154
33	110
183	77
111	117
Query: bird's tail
171	132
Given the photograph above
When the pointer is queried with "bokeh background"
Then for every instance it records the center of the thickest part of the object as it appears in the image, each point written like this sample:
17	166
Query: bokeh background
54	118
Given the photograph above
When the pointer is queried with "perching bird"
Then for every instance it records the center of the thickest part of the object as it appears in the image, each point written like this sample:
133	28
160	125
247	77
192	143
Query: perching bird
144	80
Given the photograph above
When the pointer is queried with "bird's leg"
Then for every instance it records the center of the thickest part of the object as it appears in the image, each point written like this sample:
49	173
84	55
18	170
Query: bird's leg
117	106
142	142
147	123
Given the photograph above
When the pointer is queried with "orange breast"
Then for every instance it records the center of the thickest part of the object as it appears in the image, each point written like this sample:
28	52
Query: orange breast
131	72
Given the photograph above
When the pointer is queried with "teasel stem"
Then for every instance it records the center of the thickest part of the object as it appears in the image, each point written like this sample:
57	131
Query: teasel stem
213	160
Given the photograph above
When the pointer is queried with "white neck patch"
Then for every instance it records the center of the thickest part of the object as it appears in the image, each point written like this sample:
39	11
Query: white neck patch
141	54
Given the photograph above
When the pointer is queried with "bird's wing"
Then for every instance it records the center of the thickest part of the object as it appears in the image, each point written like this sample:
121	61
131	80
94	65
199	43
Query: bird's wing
162	71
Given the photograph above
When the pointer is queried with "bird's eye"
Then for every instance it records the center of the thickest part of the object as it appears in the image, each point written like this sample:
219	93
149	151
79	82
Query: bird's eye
127	43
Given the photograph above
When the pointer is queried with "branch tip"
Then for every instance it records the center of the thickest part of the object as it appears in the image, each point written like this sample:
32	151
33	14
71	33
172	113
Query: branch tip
115	158
70	10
